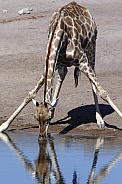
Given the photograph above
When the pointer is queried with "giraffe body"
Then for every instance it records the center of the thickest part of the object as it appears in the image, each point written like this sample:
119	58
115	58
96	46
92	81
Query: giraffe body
72	38
71	42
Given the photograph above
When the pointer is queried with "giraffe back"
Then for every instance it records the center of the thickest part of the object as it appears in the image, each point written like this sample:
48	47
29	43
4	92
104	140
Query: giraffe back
78	26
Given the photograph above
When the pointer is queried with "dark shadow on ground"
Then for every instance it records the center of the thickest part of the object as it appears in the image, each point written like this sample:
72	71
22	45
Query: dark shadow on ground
84	115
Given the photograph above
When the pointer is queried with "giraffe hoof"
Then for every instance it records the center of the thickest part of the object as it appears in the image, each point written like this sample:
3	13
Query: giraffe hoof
101	124
100	121
100	142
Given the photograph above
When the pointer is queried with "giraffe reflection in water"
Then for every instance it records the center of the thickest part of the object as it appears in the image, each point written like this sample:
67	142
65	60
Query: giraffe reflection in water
104	171
44	162
43	170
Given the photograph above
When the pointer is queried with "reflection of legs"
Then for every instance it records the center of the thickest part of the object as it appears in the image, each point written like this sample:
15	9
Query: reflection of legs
30	96
104	171
99	119
58	174
62	71
9	142
87	70
99	143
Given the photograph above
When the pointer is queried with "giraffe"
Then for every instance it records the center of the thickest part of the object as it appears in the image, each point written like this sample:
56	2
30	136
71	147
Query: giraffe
71	42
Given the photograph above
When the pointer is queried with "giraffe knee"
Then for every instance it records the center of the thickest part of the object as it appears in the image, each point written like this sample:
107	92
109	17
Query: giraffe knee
104	95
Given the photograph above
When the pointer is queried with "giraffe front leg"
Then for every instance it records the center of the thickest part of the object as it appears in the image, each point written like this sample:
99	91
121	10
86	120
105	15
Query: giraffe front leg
30	96
62	71
87	70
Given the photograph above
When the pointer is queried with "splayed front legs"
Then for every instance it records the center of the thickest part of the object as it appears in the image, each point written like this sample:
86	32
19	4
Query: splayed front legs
30	96
62	72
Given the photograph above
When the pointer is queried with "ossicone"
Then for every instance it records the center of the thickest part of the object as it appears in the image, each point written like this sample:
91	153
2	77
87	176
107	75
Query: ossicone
45	104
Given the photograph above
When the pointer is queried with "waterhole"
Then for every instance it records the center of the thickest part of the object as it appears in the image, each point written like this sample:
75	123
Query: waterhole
76	159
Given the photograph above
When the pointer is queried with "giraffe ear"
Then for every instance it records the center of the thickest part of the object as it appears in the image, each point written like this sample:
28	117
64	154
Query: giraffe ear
54	103
35	102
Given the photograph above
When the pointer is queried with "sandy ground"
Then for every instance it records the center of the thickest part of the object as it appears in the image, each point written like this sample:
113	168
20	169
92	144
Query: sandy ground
23	41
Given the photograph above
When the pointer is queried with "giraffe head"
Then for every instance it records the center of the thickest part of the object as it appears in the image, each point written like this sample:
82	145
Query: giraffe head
44	115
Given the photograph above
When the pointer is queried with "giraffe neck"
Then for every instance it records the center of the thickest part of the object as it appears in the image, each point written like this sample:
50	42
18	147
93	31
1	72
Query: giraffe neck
53	48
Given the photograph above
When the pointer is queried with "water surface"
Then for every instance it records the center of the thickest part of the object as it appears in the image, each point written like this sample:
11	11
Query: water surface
61	159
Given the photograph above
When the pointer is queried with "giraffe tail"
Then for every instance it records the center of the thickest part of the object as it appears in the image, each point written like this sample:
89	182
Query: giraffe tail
76	75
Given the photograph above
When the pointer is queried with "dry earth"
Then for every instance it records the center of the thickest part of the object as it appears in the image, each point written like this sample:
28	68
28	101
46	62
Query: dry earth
23	41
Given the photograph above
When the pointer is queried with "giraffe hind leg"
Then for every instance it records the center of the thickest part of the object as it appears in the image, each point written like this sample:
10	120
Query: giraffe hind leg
62	71
76	75
89	72
91	59
100	121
